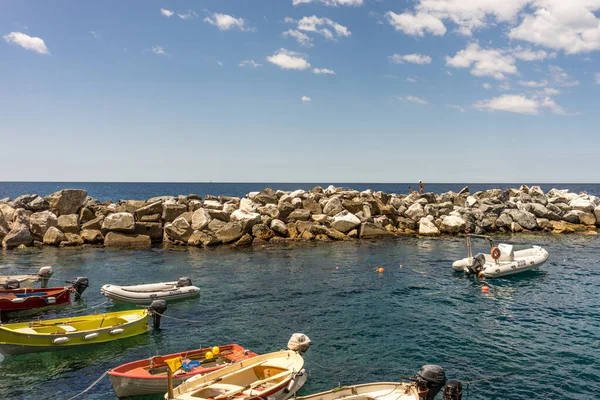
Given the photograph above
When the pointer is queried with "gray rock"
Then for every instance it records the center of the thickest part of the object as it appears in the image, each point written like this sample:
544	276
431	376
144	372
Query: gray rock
279	227
582	205
587	219
299	215
573	216
230	232
130	206
246	219
406	223
7	215
428	228
312	206
370	230
285	209
597	215
85	215
541	211
172	210
266	196
215	225
270	209
18	235
69	223
333	206
248	205
31	202
67	201
94	224
92	236
179	230
213	205
345	221
524	218
152	229
415	212
353	205
228	208
202	238
118	222
453	224
41	221
150	209
54	236
123	240
200	219
219	214
504	221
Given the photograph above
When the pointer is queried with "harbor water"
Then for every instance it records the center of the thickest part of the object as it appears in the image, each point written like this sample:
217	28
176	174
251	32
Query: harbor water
365	326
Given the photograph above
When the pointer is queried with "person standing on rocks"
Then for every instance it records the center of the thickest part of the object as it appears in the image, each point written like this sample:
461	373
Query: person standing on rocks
421	187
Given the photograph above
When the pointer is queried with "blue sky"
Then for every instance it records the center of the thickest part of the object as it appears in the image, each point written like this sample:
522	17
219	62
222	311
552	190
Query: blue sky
320	90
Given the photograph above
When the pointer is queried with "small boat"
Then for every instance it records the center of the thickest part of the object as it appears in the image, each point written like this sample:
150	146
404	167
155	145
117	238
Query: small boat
146	294
149	376
27	281
276	376
27	299
501	261
64	333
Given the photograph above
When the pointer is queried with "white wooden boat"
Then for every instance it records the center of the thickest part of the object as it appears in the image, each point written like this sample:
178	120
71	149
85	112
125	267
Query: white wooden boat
276	376
501	261
28	281
146	294
370	391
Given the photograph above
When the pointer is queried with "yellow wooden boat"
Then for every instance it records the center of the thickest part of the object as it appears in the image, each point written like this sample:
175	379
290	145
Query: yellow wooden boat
65	333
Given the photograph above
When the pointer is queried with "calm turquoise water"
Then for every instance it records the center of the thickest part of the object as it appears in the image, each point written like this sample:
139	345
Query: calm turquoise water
365	326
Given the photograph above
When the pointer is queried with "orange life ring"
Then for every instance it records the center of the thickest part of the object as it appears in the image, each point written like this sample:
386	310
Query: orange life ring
495	253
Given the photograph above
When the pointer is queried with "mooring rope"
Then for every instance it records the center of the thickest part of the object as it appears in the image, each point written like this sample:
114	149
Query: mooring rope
89	387
467	383
178	319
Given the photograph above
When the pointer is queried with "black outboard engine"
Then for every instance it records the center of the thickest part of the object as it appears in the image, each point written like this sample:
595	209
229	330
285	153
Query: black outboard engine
79	285
431	378
11	284
453	390
157	309
478	263
184	281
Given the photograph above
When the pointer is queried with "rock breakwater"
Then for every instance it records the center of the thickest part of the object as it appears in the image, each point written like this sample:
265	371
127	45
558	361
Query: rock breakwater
71	218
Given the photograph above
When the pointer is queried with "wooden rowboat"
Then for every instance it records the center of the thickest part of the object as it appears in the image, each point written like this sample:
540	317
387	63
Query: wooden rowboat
149	376
28	281
26	299
64	333
369	391
275	375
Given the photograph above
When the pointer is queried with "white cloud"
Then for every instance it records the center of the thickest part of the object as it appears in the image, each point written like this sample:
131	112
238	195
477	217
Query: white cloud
410	58
597	76
484	62
487	86
27	42
550	91
323	71
187	15
531	55
166	13
459	108
330	3
318	25
219	63
302	38
250	63
416	25
560	77
413	99
520	104
306	99
158	50
568	25
286	59
411	80
504	86
533	83
510	103
226	22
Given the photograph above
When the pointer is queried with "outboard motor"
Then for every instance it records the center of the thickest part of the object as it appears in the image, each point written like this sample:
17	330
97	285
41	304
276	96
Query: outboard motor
478	263
11	284
453	390
44	274
430	379
299	342
183	281
79	284
157	308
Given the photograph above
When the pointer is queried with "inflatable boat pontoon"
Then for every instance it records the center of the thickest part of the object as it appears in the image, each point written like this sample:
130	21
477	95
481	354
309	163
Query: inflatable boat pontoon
146	294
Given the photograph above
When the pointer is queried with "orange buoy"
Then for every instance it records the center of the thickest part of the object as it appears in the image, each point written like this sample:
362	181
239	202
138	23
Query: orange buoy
380	270
480	275
495	253
485	289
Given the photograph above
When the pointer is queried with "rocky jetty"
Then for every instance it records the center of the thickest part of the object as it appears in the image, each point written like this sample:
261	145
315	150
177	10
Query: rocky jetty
71	218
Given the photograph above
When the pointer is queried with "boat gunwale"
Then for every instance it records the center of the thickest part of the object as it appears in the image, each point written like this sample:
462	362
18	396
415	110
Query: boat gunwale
350	387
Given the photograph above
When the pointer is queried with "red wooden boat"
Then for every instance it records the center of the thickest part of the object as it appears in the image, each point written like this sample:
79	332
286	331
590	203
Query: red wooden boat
149	376
27	298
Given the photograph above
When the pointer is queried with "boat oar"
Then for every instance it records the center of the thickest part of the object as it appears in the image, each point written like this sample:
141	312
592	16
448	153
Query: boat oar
252	386
220	378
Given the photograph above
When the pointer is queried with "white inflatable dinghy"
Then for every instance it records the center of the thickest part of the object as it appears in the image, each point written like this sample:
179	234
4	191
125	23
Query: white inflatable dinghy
501	261
146	294
27	281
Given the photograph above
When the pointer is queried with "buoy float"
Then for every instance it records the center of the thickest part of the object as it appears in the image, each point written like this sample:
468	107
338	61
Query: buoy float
485	289
380	270
208	355
216	350
480	274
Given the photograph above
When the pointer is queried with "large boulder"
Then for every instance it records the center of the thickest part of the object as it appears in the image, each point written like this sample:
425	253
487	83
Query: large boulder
230	232
54	236
18	235
344	221
118	222
597	215
279	227
333	206
573	216
130	206
299	215
7	215
67	201
92	236
247	219
248	205
541	211
95	223
453	224
428	228
263	232
266	196
582	205
117	239
200	219
41	221
270	210
524	218
152	229
415	212
285	209
179	230
172	210
149	210
312	206
31	202
370	230
69	223
587	219
202	238
212	205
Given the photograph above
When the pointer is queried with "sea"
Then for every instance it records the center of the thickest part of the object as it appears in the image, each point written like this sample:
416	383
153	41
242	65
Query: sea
532	336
